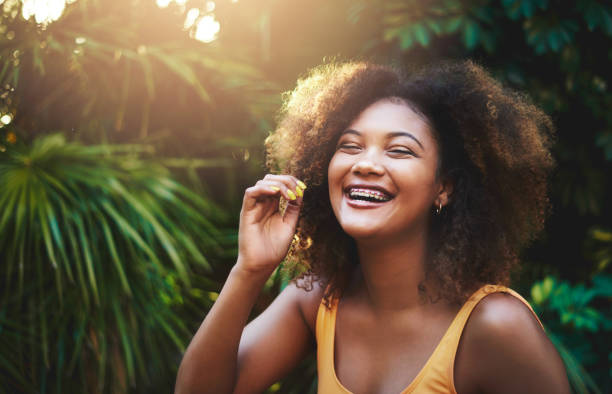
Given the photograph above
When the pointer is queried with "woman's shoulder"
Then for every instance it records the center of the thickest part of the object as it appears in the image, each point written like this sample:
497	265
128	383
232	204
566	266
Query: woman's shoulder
504	349
308	293
503	313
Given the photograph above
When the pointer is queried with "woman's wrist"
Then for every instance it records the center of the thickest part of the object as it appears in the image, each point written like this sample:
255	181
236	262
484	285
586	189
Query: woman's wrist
242	271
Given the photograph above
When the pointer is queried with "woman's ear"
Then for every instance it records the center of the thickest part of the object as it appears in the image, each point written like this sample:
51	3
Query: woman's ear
445	192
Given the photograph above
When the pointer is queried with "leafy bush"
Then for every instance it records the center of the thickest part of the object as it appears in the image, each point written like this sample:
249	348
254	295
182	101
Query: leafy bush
578	319
97	245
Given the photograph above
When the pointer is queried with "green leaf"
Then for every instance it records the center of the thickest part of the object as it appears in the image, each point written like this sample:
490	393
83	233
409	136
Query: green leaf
184	71
114	255
406	39
547	286
87	254
421	34
603	285
435	25
537	294
527	8
391	33
471	34
451	25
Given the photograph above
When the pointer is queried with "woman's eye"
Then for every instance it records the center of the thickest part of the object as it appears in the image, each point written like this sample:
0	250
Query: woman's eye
348	146
401	151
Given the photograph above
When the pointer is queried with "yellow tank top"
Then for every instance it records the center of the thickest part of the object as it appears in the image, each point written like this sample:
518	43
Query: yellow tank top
436	376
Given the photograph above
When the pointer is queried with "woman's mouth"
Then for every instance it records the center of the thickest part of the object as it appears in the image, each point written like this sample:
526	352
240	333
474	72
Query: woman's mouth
368	195
366	198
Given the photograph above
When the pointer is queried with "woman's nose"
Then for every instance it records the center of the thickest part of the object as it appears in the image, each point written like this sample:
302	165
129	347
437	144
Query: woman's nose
368	164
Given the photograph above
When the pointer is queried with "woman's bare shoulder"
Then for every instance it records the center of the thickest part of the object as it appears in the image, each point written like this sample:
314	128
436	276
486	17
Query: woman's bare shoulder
309	293
503	314
503	349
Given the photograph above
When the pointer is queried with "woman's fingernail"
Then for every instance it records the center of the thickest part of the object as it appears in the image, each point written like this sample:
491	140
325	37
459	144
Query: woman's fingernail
299	192
274	188
291	195
301	184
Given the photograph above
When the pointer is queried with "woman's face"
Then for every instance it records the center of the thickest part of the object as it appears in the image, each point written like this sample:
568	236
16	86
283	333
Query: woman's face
382	176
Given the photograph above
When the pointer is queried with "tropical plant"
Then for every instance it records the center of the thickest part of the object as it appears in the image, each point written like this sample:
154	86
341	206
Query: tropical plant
118	72
98	246
573	313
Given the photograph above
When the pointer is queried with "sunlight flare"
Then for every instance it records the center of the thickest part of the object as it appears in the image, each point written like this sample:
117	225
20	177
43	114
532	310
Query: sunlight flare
6	119
207	29
44	11
190	19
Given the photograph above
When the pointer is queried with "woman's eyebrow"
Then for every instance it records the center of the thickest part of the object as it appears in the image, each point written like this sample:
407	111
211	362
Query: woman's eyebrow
350	131
390	135
394	134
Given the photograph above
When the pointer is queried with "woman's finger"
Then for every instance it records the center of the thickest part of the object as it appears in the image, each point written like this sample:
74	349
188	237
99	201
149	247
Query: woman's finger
254	193
285	190
295	186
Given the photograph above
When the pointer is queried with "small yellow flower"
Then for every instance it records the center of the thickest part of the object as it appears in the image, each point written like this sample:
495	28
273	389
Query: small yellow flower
11	138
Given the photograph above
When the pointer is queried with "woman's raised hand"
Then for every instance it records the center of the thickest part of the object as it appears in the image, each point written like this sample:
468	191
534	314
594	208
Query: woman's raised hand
265	235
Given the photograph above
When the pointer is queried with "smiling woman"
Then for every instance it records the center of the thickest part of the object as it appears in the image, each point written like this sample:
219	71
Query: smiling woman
422	190
490	145
381	154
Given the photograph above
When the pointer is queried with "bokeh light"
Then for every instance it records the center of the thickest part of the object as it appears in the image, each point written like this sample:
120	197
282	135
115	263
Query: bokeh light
202	23
192	16
6	119
166	3
44	11
207	29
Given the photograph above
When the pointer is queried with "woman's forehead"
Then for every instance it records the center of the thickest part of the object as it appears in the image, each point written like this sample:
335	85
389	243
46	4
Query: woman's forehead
391	116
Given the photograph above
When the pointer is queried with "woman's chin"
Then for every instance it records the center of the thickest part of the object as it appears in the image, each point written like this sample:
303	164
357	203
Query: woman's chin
359	231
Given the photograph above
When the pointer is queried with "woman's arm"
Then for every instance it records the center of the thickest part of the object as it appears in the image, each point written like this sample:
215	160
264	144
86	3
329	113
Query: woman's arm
278	339
504	350
222	358
211	363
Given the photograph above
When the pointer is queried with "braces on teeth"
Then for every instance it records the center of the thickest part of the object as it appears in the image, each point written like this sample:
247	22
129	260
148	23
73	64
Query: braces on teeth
375	195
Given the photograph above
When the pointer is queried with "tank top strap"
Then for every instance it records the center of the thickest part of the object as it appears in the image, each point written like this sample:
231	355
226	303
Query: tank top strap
328	382
437	375
467	308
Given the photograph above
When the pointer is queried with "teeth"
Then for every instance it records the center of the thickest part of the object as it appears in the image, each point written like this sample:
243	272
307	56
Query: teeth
365	193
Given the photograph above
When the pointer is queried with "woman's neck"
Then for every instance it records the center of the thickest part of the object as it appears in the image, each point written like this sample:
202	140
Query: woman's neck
391	272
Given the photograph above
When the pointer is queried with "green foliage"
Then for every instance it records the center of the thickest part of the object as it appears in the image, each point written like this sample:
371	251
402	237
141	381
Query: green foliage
601	248
414	22
97	248
477	22
604	141
107	71
572	314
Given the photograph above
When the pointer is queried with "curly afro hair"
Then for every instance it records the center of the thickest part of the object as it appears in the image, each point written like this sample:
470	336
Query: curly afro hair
494	147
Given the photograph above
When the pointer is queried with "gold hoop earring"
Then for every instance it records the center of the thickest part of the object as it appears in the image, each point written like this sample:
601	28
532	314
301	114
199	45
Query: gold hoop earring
439	208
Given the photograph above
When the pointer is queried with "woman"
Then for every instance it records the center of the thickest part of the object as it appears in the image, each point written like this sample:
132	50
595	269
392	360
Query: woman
421	192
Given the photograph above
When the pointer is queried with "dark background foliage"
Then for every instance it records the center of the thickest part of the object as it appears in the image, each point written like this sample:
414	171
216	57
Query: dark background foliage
125	82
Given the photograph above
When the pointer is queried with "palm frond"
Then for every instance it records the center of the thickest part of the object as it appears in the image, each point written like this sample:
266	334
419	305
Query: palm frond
98	246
